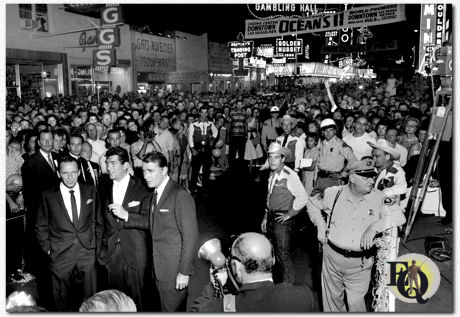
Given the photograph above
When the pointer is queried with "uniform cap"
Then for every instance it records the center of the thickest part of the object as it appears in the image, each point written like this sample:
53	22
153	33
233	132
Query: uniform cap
327	123
363	167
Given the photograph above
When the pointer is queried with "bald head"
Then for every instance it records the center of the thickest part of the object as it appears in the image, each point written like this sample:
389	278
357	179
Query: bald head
255	252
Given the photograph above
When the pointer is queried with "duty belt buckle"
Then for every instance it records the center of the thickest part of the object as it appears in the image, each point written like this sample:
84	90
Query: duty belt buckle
347	253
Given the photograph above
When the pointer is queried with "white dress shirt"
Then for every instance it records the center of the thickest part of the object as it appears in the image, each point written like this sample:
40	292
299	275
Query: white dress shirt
119	189
65	192
160	189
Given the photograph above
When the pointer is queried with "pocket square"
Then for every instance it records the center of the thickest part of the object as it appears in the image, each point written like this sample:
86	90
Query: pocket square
164	210
133	203
89	201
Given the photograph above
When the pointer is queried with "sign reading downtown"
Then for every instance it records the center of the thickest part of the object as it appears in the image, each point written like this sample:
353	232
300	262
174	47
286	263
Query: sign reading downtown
355	17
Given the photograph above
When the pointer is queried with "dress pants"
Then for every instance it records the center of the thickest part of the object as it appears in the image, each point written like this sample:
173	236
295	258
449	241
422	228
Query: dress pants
280	234
73	278
128	279
236	144
203	158
171	299
341	274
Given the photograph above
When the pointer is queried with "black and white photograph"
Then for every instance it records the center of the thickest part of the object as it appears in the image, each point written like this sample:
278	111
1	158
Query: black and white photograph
209	157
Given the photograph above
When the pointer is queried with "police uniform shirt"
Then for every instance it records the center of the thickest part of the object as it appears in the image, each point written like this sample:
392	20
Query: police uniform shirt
286	190
333	153
392	181
269	129
203	126
352	216
297	147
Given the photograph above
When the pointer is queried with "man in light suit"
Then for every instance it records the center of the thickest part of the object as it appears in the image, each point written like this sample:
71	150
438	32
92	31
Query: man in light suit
65	230
122	245
174	232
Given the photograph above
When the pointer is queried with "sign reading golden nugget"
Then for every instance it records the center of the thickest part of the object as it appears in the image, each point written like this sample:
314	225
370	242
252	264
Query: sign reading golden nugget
360	16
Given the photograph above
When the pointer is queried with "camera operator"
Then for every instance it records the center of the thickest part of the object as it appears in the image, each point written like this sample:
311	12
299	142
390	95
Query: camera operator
251	263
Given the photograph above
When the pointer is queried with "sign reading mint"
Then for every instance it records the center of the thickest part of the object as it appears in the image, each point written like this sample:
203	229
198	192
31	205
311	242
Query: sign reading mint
108	36
240	50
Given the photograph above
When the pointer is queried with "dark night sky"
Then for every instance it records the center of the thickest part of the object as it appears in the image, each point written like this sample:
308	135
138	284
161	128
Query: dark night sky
222	22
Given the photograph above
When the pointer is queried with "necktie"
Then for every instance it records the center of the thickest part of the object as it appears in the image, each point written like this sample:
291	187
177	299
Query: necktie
73	202
154	200
50	161
83	169
285	140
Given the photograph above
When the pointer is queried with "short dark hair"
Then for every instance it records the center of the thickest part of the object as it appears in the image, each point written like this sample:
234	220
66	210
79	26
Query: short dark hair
121	152
45	131
76	135
156	157
68	159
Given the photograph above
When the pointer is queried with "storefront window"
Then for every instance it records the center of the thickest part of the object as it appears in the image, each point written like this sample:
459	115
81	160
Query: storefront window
11	81
34	17
82	80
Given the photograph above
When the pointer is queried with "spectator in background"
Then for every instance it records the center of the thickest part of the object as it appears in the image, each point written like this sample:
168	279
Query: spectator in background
358	139
391	136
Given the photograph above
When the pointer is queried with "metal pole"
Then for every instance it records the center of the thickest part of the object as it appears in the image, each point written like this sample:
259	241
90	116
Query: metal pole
434	151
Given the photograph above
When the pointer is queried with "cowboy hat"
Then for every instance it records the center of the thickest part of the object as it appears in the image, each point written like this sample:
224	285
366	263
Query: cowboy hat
276	148
292	120
386	147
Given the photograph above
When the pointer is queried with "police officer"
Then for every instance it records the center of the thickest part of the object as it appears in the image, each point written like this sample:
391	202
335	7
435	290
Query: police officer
356	213
201	135
333	153
391	179
295	144
285	199
270	127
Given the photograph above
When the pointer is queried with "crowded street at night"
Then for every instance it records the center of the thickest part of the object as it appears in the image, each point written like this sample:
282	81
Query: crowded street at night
229	157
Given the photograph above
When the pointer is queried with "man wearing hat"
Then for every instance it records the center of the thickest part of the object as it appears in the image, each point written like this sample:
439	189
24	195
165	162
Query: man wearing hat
269	129
333	153
391	178
356	213
295	144
285	199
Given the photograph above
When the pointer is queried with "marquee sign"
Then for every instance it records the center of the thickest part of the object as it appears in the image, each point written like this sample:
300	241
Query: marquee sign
274	10
108	36
355	17
289	48
240	50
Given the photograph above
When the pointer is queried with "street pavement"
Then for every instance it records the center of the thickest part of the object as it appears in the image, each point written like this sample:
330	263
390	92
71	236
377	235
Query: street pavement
235	204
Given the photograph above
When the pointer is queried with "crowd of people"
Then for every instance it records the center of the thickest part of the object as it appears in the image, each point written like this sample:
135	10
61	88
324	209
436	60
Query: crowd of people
134	163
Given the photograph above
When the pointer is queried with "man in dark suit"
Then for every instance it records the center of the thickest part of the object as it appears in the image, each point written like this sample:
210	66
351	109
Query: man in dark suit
65	229
174	232
86	153
252	261
39	173
122	243
75	146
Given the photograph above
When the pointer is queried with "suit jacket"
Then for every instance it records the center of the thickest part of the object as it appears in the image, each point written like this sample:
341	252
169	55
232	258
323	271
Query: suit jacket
131	235
259	297
85	174
174	231
54	228
37	176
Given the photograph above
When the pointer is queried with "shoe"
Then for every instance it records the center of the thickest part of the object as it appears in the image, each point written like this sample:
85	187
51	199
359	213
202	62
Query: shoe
445	221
